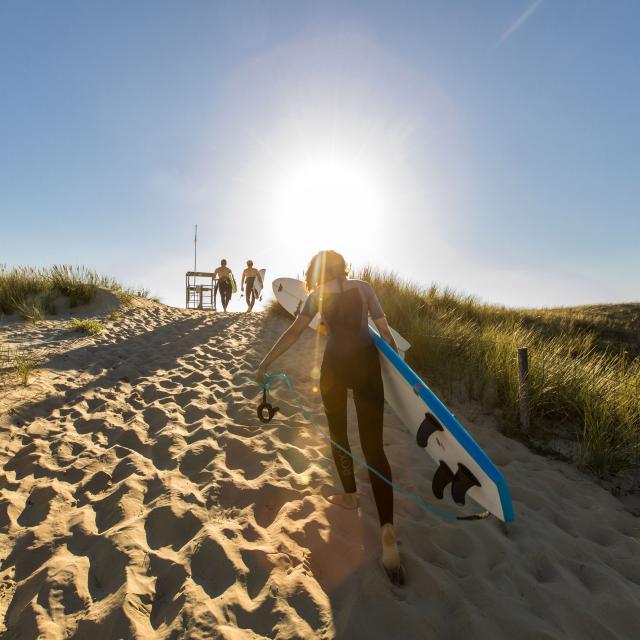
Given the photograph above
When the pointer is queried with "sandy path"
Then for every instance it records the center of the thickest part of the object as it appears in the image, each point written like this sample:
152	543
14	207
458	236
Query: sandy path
142	498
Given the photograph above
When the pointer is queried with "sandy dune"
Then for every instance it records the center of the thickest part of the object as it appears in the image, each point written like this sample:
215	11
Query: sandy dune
142	498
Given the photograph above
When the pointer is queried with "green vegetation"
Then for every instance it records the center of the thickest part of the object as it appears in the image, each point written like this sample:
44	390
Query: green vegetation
580	380
32	292
16	365
584	373
24	363
32	311
89	326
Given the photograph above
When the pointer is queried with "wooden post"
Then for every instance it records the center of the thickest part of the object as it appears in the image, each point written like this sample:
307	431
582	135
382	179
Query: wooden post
523	377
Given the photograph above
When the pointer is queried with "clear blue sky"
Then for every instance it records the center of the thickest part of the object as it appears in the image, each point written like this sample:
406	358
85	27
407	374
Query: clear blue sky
490	146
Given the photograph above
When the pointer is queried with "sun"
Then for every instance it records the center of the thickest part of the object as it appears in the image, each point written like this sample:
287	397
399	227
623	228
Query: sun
331	195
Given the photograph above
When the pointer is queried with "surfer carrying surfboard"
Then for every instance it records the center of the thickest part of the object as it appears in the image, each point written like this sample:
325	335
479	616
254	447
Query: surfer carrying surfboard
350	362
249	277
225	282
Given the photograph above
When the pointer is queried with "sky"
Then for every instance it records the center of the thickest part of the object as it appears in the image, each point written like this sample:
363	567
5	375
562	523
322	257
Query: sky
492	147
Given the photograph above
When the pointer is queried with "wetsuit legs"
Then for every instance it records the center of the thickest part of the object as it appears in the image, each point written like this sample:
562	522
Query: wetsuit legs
368	396
250	293
225	293
369	409
334	398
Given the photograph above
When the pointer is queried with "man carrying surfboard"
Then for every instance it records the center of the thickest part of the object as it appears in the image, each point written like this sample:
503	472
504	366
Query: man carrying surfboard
225	282
350	362
249	277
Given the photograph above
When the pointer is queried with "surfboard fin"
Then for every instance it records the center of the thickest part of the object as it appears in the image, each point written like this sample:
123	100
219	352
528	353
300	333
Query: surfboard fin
442	477
429	426
462	482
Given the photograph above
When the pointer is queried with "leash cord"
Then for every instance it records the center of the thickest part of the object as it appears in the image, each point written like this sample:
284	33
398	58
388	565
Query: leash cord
267	385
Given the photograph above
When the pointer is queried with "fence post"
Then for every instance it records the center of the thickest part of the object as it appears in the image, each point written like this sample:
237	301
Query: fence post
523	378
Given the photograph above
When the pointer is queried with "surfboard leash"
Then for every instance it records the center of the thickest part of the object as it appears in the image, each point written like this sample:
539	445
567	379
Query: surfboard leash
266	411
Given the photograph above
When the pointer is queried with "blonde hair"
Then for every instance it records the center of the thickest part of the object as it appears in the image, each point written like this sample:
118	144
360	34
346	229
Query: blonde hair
324	266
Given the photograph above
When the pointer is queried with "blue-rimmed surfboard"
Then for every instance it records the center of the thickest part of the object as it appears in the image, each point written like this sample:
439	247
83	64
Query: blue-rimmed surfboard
462	464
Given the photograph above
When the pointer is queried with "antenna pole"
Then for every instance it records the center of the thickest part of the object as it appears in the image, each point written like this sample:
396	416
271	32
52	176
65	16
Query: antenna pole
195	250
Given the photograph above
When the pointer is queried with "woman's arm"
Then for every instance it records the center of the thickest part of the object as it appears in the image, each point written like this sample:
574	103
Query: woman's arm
242	283
378	317
284	343
383	328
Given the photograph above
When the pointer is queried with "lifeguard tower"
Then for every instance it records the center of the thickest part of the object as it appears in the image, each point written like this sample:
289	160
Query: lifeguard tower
200	290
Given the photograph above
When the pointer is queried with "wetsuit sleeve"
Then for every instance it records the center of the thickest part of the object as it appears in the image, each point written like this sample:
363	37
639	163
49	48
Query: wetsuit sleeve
372	302
310	306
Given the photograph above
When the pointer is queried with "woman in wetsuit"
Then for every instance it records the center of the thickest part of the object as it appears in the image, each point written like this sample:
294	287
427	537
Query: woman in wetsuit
224	275
350	362
249	276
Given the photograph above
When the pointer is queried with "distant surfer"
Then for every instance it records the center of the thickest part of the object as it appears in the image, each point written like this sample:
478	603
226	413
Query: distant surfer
225	282
249	277
350	362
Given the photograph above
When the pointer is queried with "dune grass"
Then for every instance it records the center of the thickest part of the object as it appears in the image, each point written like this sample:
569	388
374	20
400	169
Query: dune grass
90	326
16	365
24	364
583	386
32	292
579	381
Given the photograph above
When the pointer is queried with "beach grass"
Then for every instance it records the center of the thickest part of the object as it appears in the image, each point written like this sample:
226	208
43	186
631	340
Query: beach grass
583	377
24	365
90	326
16	365
32	292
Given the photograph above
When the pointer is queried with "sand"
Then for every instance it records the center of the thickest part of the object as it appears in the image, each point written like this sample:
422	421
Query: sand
142	498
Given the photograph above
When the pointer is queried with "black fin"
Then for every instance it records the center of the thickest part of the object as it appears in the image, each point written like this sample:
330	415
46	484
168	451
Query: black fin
462	482
429	425
279	288
442	477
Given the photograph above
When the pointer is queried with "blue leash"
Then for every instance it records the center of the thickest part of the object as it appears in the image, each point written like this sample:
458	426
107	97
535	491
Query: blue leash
265	406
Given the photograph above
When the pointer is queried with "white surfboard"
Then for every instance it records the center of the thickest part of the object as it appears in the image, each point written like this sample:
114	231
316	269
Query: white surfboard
291	294
257	287
462	464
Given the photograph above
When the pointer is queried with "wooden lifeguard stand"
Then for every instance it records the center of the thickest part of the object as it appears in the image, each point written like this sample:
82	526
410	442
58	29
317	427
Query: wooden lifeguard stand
200	290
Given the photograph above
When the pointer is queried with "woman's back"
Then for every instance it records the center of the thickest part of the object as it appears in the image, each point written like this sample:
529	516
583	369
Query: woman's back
345	306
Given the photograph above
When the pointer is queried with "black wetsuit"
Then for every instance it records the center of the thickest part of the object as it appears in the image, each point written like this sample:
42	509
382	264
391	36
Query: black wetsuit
250	292
224	287
351	362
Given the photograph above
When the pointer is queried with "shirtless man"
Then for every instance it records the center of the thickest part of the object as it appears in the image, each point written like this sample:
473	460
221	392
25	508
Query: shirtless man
224	276
249	276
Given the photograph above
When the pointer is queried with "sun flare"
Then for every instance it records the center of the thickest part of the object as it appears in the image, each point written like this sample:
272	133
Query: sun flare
332	195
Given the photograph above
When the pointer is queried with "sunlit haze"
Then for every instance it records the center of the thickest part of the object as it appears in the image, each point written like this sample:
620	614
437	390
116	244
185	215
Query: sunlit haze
491	147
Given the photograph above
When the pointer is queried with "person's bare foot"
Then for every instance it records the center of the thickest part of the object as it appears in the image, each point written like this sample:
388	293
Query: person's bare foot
344	500
391	556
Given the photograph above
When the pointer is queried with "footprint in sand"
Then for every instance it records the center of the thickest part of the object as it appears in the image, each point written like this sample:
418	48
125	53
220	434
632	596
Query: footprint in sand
165	528
259	567
196	458
107	562
37	506
211	568
168	599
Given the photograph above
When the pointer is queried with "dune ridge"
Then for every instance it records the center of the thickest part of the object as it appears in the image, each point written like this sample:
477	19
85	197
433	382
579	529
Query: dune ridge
140	497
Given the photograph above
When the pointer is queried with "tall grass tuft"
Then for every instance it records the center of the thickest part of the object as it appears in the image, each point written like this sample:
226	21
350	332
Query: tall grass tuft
576	380
31	291
25	363
16	365
90	326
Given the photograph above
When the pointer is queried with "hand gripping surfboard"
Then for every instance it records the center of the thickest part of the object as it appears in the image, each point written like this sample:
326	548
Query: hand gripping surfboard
464	469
